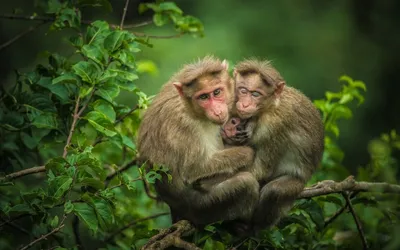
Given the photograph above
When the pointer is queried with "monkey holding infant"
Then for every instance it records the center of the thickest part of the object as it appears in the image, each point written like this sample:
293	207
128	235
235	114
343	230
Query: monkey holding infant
271	149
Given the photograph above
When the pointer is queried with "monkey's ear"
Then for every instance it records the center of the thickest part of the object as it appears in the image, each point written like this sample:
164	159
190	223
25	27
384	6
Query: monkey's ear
279	88
225	64
178	87
234	72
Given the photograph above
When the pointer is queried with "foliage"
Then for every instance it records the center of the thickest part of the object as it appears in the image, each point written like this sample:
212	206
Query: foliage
65	119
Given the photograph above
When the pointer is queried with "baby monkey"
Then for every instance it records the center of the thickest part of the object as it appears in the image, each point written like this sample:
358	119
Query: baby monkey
286	131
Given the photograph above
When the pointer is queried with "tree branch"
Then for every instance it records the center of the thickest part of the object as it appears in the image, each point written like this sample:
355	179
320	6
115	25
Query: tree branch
55	230
172	237
20	35
356	220
133	223
124	14
120	170
349	184
24	172
130	26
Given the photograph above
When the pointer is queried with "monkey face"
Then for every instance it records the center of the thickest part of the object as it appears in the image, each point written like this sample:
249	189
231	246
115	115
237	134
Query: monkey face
213	102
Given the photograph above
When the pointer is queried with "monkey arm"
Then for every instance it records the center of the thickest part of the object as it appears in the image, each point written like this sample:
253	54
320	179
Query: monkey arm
222	163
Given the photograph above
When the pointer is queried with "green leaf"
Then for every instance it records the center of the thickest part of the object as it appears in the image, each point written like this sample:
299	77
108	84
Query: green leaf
68	207
54	222
358	84
170	6
147	66
59	185
92	182
316	214
128	142
29	141
96	53
346	98
124	74
88	71
105	108
108	91
66	78
152	176
331	199
96	32
88	215
101	123
104	212
160	19
114	40
213	245
57	165
342	111
59	90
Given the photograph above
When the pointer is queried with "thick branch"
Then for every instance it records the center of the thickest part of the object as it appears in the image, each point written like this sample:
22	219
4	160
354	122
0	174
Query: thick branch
349	184
172	237
24	172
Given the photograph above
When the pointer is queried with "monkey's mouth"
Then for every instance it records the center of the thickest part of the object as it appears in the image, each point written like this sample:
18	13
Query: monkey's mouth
244	114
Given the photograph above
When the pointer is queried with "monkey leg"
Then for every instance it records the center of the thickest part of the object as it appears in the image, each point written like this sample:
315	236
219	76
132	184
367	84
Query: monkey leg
276	199
233	198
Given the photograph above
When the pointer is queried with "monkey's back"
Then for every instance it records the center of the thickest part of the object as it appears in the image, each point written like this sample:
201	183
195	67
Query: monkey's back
292	128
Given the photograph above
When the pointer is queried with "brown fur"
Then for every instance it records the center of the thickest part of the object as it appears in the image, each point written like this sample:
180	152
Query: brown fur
207	184
287	133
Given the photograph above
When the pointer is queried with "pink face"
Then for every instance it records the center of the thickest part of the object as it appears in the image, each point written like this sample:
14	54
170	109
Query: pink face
213	101
248	101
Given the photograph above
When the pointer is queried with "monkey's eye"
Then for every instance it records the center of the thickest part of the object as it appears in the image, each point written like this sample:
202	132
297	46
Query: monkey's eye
217	92
203	97
243	90
255	94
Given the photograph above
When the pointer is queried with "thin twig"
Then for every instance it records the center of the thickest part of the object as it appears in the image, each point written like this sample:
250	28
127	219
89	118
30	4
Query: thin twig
158	37
20	35
137	25
357	221
126	115
14	225
133	223
120	170
55	230
77	114
335	215
124	14
73	124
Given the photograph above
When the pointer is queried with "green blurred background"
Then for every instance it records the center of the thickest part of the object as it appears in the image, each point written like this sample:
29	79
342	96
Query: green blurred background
311	42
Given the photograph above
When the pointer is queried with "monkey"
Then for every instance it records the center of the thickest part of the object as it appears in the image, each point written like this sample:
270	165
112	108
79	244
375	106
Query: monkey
181	130
286	131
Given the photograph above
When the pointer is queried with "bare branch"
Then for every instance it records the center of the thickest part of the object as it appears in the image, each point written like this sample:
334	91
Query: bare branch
137	25
120	170
124	14
55	230
349	184
24	172
357	221
147	190
133	223
126	115
20	35
335	215
158	37
172	237
77	114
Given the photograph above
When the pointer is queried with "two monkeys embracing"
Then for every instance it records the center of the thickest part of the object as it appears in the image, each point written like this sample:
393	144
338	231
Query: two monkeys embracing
239	148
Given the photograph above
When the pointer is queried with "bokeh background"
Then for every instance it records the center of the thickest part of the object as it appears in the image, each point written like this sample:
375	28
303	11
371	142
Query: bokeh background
311	42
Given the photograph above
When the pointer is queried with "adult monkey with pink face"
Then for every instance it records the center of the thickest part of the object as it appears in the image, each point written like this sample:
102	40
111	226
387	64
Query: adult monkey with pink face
180	130
285	130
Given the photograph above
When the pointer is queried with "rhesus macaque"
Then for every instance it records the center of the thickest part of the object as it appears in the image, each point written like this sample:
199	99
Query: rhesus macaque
286	131
181	130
